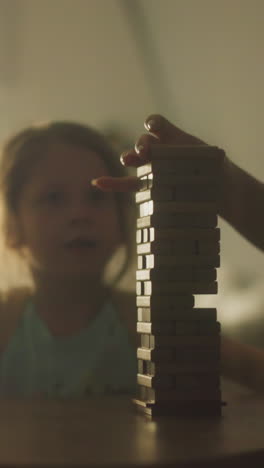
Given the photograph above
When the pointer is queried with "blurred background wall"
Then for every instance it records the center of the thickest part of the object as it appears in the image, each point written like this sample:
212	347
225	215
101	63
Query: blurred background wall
110	63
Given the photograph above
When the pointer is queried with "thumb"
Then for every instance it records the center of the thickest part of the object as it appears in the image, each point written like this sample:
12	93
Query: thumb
168	133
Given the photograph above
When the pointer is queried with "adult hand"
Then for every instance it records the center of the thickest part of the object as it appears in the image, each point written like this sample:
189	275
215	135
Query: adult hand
160	130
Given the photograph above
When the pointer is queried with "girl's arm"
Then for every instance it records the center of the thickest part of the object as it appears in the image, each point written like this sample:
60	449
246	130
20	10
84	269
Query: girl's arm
242	203
243	364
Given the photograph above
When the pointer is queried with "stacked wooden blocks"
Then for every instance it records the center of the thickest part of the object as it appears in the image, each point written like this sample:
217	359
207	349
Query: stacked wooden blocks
178	252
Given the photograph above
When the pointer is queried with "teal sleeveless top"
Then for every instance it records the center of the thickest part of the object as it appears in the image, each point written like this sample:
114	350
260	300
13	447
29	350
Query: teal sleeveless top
98	360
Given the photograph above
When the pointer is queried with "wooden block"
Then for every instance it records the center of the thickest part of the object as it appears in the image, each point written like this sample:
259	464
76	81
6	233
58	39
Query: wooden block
154	288
171	368
148	208
182	273
139	288
196	152
179	246
141	262
178	220
146	169
179	352
146	314
165	301
158	261
181	193
164	194
184	327
182	362
154	247
182	166
183	409
161	341
182	184
166	381
173	234
164	395
182	382
144	183
183	378
188	247
139	236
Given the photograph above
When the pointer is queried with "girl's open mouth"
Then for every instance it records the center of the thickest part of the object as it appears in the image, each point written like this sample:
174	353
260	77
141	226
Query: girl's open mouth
81	244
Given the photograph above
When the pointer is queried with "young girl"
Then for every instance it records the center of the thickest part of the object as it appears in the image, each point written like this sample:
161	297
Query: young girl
71	334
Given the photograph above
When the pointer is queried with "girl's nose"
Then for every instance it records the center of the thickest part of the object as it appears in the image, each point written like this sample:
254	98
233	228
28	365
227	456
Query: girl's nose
81	211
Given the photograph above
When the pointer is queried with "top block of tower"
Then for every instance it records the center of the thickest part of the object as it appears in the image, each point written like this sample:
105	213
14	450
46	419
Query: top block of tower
183	160
186	151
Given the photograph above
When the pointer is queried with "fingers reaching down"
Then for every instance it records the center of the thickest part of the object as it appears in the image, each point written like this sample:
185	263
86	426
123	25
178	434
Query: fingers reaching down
160	131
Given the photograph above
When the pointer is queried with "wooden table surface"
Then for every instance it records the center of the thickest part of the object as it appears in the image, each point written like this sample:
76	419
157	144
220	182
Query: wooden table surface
108	432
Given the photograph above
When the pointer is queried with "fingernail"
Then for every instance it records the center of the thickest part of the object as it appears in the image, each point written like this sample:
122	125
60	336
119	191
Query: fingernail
122	160
152	125
139	149
94	182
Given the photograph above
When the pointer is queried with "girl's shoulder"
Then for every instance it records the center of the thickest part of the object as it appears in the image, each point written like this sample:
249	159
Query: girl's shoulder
125	304
124	298
12	304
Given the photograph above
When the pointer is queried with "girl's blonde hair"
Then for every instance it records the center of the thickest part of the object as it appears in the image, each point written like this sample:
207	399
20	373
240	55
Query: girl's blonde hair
22	150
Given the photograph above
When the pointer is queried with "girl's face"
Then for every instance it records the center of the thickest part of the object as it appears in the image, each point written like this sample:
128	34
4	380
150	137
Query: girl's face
67	226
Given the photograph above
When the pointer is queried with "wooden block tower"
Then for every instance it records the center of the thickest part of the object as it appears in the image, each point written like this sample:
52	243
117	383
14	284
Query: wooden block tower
178	252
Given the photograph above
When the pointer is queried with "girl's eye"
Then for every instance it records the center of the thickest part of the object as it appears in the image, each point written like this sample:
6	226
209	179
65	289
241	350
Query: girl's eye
53	198
96	194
